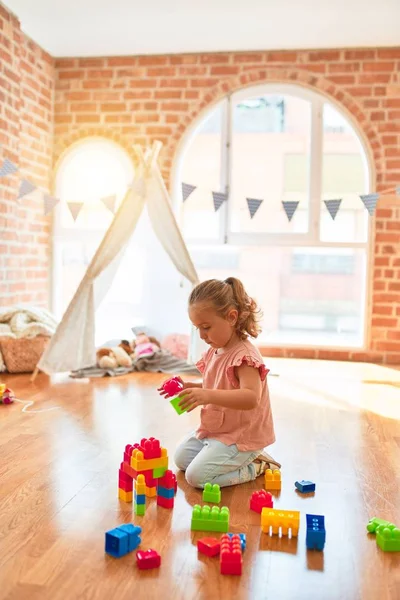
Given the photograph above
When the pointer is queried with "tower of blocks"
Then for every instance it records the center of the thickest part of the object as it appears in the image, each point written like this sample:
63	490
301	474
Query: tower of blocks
143	468
280	519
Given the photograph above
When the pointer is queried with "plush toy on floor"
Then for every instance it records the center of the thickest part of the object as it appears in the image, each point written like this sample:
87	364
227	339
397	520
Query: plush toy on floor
117	356
145	346
7	396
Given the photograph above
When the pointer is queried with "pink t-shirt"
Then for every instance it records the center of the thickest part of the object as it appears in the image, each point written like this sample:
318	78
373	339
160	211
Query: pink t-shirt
248	429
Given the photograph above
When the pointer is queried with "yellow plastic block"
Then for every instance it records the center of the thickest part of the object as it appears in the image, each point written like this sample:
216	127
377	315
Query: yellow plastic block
139	463
140	485
151	492
125	496
273	479
284	519
2	388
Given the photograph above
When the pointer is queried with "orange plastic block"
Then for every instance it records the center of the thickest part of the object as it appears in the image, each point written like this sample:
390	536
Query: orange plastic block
139	463
280	519
273	479
151	492
140	485
125	496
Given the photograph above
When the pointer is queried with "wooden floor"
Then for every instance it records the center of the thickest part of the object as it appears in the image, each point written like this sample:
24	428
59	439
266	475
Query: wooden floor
336	423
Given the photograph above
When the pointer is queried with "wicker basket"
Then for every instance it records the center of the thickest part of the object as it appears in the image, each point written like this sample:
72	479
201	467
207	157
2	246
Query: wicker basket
21	355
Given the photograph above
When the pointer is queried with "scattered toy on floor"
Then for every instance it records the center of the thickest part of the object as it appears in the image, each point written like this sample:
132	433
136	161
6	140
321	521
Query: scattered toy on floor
148	559
123	539
305	487
316	533
212	493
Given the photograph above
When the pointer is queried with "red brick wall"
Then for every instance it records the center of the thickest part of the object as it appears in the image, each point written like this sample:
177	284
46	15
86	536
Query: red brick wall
26	138
139	99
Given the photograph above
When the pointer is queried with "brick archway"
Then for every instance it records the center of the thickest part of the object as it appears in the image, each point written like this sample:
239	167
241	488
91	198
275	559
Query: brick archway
298	76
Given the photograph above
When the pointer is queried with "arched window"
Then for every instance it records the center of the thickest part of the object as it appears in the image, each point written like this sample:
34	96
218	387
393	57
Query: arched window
282	144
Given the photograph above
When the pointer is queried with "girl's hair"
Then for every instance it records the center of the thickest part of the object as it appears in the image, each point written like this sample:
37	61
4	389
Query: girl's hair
224	295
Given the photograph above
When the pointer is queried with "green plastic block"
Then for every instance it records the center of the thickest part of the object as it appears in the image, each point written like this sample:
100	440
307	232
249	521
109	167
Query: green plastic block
212	493
175	403
374	523
209	518
139	509
160	472
388	538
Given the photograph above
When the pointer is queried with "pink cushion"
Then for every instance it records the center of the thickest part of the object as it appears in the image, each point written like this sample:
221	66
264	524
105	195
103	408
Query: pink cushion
177	344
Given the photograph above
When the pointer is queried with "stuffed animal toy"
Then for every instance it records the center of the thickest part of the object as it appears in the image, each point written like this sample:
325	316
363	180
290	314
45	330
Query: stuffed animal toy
117	356
7	396
145	346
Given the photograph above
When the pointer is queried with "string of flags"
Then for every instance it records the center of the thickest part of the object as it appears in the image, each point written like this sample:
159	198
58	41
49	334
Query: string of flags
290	206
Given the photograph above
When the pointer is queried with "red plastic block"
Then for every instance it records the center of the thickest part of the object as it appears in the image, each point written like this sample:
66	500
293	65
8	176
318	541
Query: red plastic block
231	555
148	559
151	448
165	502
261	499
209	546
128	453
125	485
124	476
168	480
173	386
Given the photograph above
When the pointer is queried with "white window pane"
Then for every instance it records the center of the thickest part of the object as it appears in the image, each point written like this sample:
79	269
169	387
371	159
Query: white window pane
270	161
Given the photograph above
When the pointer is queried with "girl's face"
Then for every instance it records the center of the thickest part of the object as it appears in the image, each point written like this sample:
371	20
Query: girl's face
215	330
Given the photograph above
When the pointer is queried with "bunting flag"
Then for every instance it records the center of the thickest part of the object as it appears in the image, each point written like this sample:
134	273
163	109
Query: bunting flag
333	207
187	189
25	188
7	168
139	186
219	198
253	205
369	201
75	208
110	202
290	207
49	202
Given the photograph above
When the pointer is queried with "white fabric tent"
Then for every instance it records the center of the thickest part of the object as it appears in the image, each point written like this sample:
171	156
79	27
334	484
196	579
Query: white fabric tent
73	344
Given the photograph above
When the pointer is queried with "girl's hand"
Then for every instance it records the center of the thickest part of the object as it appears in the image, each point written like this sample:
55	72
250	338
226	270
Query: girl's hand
193	397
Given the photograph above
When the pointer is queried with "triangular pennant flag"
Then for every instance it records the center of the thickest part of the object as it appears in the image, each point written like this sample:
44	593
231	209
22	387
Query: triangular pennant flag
139	186
219	198
369	201
49	203
187	189
25	188
75	208
333	207
290	207
109	202
253	205
7	168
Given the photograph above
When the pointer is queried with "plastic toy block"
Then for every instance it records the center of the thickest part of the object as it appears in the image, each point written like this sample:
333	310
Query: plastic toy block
139	498
128	453
280	519
259	500
148	559
175	404
151	492
122	539
124	476
172	386
208	518
165	502
212	493
272	479
209	546
168	480
140	485
128	470
151	448
374	523
165	493
2	388
388	538
125	485
230	558
139	463
125	496
139	509
242	539
316	534
157	473
305	487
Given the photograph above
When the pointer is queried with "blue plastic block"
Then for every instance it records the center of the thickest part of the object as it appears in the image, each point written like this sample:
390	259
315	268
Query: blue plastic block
305	486
316	534
165	493
121	540
139	498
242	539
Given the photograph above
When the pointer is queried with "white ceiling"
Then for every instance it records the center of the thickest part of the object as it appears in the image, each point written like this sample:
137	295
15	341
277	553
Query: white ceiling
120	27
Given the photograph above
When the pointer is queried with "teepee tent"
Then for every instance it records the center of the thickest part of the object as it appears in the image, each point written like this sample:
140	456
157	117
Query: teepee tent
73	345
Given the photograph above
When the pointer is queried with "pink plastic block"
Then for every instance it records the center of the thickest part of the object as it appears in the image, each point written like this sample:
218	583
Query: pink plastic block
148	559
173	386
168	480
261	499
231	555
151	448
